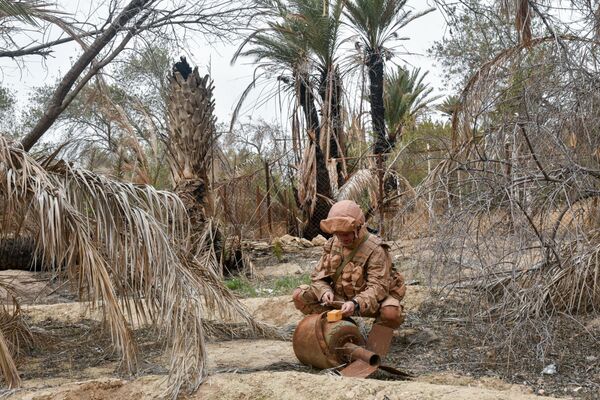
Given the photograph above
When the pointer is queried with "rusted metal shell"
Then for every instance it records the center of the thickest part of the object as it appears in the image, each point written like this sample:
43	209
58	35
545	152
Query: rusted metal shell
354	352
322	344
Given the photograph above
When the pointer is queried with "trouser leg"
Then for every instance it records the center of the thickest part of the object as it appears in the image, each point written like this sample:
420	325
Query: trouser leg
390	316
306	301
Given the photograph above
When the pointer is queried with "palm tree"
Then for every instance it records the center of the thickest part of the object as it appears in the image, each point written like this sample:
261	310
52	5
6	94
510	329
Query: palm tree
281	50
405	96
321	35
377	23
449	106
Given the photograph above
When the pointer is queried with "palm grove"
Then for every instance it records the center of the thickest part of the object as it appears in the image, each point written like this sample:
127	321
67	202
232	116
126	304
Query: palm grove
519	157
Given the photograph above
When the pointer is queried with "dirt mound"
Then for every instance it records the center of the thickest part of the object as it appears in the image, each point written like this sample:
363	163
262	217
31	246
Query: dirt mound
275	386
279	311
233	355
300	386
147	387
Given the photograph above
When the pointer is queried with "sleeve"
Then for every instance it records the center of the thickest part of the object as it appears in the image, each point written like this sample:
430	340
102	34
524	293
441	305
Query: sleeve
377	285
320	277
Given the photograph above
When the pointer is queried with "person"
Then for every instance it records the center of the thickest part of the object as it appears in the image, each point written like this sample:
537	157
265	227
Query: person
355	272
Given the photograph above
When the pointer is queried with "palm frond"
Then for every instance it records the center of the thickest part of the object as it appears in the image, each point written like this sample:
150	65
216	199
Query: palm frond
405	96
7	365
377	21
360	183
120	241
25	11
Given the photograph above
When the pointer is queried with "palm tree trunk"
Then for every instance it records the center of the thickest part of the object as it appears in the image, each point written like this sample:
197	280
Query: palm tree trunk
330	90
375	67
307	102
191	139
17	253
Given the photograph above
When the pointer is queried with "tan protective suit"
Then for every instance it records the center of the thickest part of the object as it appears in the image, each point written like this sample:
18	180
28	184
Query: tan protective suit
367	278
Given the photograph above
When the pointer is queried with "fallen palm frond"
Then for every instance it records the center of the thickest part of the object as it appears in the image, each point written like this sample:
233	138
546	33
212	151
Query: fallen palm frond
7	365
121	241
14	336
572	286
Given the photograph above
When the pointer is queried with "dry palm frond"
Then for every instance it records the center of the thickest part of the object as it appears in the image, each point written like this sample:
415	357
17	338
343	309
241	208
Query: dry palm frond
12	325
220	302
121	241
7	365
363	180
574	286
14	336
546	288
307	190
332	166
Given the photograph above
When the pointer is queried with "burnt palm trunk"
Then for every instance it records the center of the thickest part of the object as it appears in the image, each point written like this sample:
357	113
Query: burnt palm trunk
335	139
375	66
191	139
17	253
322	206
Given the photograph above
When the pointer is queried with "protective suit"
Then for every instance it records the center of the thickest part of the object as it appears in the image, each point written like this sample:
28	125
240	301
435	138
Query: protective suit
358	270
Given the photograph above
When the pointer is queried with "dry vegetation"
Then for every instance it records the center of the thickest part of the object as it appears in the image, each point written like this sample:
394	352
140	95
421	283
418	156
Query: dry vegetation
497	212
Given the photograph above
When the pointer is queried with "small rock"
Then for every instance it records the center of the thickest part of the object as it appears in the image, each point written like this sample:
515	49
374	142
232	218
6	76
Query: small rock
591	358
541	392
416	336
549	369
287	239
305	242
593	325
318	241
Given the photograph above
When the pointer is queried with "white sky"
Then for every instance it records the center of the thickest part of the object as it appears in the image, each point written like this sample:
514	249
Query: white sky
229	80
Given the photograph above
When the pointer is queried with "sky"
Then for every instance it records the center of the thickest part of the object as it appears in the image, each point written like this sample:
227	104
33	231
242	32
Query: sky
229	80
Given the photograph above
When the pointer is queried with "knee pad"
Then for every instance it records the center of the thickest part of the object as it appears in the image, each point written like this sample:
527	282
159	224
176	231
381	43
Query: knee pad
391	316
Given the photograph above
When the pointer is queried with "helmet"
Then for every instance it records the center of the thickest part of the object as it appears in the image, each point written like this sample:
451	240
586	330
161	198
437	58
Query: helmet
344	216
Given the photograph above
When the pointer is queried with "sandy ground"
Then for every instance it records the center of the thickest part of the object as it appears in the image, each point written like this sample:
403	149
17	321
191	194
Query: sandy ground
275	385
243	369
239	369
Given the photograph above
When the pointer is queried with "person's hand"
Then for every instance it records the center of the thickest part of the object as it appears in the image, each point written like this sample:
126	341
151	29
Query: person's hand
347	308
327	298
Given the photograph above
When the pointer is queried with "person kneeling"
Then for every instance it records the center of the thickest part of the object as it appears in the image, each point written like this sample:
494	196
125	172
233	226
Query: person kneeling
355	271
